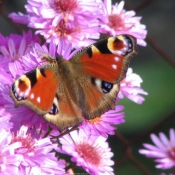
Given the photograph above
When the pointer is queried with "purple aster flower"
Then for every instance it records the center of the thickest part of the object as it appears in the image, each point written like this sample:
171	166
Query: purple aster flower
71	20
90	152
12	49
103	125
37	154
20	18
5	124
5	115
117	21
9	160
163	151
130	87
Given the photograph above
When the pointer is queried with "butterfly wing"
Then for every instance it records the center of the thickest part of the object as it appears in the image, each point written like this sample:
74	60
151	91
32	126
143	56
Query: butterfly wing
107	59
102	66
43	91
64	111
99	96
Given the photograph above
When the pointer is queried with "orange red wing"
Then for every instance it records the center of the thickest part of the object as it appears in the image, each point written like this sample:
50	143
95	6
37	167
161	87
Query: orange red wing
107	59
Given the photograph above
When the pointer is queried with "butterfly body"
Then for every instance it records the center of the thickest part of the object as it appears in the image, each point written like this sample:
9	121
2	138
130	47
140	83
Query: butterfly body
86	85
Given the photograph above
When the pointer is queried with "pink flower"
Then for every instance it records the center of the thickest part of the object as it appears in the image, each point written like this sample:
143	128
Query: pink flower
163	151
5	115
12	49
117	21
130	87
4	123
37	154
20	18
103	125
9	160
92	153
71	20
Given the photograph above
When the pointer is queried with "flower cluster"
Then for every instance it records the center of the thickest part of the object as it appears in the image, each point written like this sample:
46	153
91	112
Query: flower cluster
79	22
66	25
22	154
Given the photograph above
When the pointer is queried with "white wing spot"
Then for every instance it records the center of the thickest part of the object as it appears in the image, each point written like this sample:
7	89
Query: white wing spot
17	89
38	99
116	58
118	52
27	92
55	101
32	96
98	82
114	66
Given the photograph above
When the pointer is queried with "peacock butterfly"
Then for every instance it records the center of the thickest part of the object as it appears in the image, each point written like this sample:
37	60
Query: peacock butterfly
86	85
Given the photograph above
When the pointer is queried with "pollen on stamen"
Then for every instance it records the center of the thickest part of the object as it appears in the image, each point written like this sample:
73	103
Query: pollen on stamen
95	120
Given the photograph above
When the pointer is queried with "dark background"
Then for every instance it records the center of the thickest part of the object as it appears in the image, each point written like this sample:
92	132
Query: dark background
155	63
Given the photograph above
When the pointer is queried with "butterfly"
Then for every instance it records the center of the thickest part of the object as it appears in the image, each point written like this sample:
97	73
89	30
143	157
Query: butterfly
65	91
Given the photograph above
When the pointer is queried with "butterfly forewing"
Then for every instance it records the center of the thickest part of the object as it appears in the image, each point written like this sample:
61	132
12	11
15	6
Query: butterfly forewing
36	89
107	59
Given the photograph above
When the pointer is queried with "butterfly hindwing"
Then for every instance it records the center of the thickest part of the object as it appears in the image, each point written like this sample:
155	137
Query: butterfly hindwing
99	96
104	64
64	112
